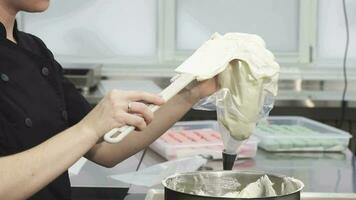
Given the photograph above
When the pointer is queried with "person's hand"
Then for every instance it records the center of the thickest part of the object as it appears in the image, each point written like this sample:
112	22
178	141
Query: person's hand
119	108
203	89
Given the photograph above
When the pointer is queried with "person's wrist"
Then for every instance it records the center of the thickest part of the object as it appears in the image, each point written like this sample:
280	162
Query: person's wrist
190	96
82	128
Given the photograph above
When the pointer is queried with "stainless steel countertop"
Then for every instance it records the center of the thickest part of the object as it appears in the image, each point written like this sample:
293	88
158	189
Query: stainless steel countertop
92	175
321	172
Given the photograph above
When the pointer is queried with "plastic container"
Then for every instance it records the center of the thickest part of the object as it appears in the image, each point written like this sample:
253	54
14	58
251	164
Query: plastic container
292	133
197	138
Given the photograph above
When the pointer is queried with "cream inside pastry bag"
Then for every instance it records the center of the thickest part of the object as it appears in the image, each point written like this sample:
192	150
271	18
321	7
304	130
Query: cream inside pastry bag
244	67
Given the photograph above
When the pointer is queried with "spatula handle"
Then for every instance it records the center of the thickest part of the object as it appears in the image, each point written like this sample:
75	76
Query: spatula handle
117	134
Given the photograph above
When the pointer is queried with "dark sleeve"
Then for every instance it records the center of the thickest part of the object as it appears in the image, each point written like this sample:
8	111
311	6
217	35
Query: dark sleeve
77	106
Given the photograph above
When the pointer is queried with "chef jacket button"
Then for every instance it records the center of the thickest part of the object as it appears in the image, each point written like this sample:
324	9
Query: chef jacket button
65	115
45	71
4	77
28	122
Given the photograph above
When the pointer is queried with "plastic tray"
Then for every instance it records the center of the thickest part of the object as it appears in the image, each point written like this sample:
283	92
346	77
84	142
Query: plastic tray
291	133
197	138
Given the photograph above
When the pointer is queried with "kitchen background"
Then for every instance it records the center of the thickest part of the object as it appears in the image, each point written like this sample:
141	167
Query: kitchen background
147	39
136	44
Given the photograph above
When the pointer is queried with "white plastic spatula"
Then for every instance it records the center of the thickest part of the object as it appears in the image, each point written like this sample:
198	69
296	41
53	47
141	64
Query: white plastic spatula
182	80
209	60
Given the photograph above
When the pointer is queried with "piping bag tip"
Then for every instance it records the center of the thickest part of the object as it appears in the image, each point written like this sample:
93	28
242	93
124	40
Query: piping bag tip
228	160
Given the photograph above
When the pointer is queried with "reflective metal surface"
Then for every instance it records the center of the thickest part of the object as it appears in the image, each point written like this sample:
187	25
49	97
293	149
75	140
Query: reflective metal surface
208	185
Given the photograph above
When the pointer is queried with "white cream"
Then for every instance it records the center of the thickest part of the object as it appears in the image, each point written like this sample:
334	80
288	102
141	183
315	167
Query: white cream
290	185
263	187
245	67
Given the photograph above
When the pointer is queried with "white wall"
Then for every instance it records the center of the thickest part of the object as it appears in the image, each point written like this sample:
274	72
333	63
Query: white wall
97	28
117	28
277	21
331	29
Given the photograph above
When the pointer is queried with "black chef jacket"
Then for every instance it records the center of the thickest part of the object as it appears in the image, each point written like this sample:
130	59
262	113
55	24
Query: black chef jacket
36	101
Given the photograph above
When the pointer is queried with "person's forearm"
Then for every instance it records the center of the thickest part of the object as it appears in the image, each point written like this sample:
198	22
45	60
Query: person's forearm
25	173
110	154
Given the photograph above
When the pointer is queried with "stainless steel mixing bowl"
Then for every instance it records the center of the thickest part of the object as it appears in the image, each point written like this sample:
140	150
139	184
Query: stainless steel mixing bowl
215	184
